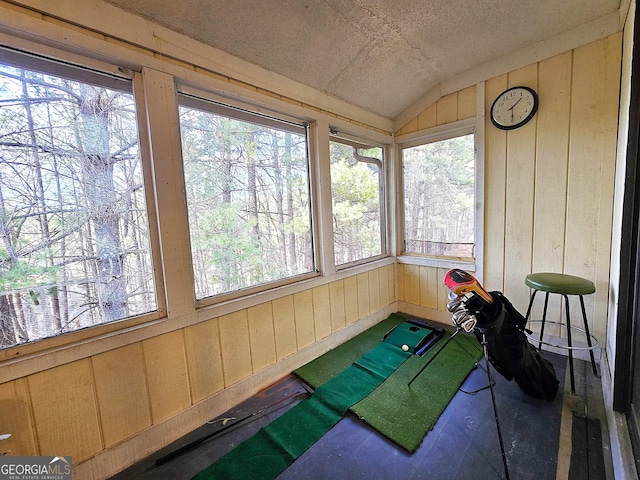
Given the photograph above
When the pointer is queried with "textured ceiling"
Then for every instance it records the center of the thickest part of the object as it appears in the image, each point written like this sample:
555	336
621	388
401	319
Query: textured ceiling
380	55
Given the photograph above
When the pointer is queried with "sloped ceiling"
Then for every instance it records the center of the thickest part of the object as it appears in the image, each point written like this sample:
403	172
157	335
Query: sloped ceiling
380	55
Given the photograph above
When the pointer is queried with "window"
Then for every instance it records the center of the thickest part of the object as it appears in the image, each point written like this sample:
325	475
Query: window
356	193
247	183
439	196
73	218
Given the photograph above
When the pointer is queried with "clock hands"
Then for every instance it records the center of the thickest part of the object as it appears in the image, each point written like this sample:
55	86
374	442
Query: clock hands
513	106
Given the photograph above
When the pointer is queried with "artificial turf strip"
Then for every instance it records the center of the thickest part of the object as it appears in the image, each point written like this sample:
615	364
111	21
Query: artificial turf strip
274	447
406	414
325	367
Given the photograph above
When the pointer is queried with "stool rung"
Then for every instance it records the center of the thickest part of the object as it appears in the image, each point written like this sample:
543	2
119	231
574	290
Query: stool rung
532	336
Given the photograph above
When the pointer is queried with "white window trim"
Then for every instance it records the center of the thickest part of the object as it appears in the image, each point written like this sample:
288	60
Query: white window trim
91	71
193	97
358	142
473	125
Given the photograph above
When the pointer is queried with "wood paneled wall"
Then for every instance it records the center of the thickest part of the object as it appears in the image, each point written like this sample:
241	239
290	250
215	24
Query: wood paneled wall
548	203
87	406
548	185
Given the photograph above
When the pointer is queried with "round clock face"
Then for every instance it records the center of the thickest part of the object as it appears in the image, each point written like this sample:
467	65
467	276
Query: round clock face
514	107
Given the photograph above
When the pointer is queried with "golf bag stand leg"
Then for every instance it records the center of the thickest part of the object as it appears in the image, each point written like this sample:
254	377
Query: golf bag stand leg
493	400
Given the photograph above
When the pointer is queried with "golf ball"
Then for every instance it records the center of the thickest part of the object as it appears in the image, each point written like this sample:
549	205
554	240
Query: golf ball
405	348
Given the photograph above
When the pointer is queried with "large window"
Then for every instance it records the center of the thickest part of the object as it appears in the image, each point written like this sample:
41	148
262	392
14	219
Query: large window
356	194
439	197
247	186
75	240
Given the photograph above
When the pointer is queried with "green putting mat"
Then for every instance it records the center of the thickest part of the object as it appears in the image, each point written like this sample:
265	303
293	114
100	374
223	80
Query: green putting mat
406	414
326	366
274	447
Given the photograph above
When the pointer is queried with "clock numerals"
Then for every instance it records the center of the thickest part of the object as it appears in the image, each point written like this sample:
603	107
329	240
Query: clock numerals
514	107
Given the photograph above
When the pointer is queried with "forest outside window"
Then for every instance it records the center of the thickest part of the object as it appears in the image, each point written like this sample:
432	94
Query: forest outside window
73	219
356	194
439	196
247	186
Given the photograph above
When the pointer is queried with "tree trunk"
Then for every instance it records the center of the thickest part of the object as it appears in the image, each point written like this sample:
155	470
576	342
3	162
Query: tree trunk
41	203
101	198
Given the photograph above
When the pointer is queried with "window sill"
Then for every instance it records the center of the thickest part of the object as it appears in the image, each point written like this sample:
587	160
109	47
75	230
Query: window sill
468	264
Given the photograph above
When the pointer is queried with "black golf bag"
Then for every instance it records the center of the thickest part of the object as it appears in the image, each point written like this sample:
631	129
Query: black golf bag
510	352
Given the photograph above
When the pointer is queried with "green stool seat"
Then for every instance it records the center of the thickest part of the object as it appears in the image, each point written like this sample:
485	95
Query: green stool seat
565	285
560	283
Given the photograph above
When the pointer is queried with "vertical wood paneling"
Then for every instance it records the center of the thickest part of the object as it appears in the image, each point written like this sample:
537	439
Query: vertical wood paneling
443	291
467	103
552	147
394	276
447	110
410	127
336	298
321	311
284	324
121	388
411	280
204	359
166	366
350	299
364	307
495	174
15	418
305	329
261	336
400	275
64	411
383	279
427	119
374	290
521	154
596	77
235	347
429	287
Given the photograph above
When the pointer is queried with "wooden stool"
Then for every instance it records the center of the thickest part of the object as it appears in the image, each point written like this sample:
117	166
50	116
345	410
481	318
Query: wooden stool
563	285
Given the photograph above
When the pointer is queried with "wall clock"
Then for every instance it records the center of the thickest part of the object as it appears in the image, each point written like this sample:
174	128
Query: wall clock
514	107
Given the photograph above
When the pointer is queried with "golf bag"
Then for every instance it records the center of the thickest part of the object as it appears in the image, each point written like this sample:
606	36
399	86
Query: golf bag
510	353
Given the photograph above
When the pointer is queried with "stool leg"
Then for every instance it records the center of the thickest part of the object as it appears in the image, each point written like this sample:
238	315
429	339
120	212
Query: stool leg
586	329
544	318
533	296
573	383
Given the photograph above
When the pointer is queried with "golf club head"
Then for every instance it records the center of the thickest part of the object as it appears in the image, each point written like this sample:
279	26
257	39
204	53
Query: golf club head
460	316
452	295
469	324
453	305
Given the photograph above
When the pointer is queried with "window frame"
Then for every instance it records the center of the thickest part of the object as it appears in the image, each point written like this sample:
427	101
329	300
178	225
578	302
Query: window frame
90	70
339	137
431	135
218	104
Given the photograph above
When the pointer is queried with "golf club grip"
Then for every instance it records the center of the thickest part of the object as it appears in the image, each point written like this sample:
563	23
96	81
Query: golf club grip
461	282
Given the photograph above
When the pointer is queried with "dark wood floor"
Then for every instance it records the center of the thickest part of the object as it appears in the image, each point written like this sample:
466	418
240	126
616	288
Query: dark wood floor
463	444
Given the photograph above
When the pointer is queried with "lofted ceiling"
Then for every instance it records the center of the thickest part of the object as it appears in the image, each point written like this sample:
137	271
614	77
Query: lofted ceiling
380	55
